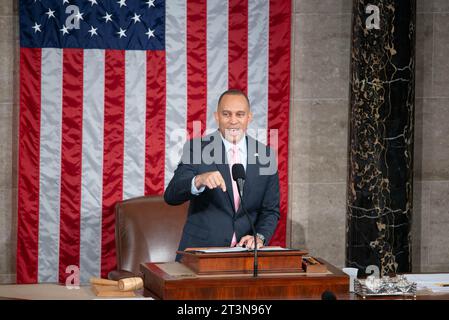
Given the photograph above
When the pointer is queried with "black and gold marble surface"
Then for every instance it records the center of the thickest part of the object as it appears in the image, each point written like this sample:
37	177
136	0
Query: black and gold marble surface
380	145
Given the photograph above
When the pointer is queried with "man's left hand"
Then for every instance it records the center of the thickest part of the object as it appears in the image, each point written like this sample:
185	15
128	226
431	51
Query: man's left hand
248	242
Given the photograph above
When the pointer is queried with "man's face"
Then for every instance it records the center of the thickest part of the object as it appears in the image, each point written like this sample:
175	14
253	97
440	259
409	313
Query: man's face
233	116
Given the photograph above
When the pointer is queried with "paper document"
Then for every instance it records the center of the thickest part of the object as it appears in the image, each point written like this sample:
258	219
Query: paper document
240	249
437	282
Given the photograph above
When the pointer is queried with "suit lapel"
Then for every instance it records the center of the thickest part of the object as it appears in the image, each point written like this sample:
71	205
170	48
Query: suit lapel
251	171
250	175
223	168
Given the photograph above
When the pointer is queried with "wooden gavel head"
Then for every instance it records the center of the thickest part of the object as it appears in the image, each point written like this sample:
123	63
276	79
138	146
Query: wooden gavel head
130	284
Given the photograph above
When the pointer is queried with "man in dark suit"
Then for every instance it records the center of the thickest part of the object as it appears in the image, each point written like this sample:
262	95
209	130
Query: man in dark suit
203	177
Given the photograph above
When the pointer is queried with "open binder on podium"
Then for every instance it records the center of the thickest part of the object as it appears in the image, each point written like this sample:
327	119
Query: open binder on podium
223	260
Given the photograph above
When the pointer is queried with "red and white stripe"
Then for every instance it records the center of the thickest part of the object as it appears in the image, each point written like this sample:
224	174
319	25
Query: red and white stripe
92	163
99	126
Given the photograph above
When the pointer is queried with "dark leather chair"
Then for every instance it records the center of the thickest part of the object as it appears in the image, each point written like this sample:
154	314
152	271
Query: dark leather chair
146	230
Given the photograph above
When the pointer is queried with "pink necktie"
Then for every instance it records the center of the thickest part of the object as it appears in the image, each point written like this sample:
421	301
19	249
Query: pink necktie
234	158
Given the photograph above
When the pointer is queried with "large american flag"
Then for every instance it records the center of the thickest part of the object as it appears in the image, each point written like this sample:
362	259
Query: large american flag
109	91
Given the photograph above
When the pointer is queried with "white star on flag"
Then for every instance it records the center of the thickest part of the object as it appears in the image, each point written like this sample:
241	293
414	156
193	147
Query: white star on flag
37	27
150	3
122	3
150	33
50	13
121	33
64	30
136	17
93	31
92	2
79	15
108	17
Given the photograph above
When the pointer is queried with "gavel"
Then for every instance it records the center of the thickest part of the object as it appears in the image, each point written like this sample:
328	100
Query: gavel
126	284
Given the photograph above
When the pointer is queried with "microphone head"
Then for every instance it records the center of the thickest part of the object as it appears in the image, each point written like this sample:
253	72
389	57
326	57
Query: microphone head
328	295
238	171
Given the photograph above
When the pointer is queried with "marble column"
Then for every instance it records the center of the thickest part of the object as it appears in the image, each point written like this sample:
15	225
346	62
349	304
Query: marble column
380	146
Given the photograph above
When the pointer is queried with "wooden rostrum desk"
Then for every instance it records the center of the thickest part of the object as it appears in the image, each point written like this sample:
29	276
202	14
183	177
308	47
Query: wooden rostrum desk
176	281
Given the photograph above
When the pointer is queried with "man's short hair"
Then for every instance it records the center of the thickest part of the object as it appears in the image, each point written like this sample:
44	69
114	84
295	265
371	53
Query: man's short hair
234	92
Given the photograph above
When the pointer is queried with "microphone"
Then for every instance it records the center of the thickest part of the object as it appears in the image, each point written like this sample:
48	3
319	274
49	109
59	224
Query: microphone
238	175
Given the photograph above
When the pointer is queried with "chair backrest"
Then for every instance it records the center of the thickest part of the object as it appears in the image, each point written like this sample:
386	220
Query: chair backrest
147	230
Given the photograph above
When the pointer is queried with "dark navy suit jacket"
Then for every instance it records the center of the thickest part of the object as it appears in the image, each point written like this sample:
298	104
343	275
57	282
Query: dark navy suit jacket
211	219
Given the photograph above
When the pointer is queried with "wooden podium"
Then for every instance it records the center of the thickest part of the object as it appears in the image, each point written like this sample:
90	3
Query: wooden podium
273	261
177	281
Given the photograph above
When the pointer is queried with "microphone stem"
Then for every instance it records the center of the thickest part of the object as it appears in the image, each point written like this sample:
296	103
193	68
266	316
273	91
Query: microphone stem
256	267
255	270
